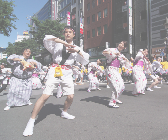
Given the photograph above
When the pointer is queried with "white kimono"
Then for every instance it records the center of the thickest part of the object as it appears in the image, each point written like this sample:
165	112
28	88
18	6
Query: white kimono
113	76
94	83
139	74
77	71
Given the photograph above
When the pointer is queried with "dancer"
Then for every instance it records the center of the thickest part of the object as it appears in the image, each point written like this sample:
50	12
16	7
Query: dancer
78	73
93	67
100	74
4	77
138	73
21	83
36	83
165	68
64	53
156	80
114	58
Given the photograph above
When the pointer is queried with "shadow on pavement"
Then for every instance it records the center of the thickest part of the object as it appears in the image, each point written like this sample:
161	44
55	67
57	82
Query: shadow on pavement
47	110
97	99
83	89
127	92
3	94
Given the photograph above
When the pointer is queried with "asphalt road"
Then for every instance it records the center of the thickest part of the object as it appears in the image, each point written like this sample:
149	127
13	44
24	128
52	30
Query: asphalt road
138	118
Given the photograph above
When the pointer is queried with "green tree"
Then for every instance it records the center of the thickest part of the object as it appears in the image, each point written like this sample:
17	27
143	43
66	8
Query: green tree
47	27
7	17
17	47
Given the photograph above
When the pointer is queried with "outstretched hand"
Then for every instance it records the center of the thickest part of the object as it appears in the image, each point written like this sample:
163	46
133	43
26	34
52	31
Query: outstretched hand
71	50
117	53
69	45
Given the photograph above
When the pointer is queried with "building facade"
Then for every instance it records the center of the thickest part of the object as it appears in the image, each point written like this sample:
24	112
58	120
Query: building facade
97	26
130	24
49	11
140	26
64	6
77	20
108	22
21	37
159	12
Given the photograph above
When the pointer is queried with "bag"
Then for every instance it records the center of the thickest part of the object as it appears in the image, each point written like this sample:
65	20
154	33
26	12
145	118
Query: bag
58	72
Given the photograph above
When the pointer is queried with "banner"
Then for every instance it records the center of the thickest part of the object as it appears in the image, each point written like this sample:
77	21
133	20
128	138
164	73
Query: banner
81	26
68	18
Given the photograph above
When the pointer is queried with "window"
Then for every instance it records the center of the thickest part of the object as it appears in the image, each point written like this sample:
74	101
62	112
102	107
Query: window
143	36
124	17
93	32
124	2
93	18
93	3
88	6
99	15
105	28
88	34
163	34
99	2
88	20
98	31
143	15
105	12
163	9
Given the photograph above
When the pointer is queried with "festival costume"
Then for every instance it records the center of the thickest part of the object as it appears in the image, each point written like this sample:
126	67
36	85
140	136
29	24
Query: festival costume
139	77
100	73
59	74
113	76
93	81
66	81
20	83
165	68
36	83
78	70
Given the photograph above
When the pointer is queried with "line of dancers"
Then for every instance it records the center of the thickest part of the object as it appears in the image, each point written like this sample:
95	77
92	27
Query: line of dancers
68	59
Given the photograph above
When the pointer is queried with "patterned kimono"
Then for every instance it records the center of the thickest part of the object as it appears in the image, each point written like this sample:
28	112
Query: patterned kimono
77	72
112	71
20	83
36	83
139	74
94	82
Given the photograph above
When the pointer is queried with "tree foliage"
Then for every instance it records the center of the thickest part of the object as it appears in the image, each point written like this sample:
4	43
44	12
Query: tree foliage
47	27
7	17
17	47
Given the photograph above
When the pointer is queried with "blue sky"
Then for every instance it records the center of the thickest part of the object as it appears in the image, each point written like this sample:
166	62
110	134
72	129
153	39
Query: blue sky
22	9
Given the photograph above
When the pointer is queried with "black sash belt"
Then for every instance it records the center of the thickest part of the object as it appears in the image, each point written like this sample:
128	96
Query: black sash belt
65	55
18	77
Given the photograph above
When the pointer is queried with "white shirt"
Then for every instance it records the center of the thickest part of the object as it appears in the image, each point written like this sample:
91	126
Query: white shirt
56	50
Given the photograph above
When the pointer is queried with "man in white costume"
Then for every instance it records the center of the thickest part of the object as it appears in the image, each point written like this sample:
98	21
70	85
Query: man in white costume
64	53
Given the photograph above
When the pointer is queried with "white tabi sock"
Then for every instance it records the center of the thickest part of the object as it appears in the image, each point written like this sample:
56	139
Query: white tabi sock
29	128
